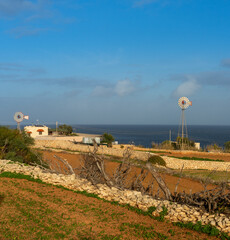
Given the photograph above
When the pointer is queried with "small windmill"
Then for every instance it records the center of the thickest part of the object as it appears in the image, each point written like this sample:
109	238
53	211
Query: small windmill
183	103
19	117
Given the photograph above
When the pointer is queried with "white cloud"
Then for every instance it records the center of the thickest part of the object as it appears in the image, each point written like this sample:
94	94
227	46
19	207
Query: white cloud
187	88
121	88
26	31
13	7
225	62
124	87
102	91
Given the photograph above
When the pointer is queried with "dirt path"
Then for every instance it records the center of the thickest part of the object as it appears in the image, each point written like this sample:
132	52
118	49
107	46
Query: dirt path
33	210
171	181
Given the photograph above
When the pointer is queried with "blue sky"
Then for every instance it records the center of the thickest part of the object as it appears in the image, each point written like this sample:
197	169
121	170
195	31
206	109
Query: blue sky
115	62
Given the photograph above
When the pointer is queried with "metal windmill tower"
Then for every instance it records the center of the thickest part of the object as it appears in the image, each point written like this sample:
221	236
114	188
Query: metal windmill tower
183	103
19	117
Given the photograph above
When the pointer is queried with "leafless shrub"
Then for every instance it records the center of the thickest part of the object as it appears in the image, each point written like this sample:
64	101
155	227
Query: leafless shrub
161	183
93	169
212	200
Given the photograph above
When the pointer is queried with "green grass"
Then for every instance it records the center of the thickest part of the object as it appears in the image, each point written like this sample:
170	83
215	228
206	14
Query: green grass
202	174
20	176
198	159
54	227
141	231
208	229
152	151
59	149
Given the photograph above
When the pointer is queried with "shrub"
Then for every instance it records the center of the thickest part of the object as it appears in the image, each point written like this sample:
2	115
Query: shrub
140	146
155	145
214	148
157	160
227	146
107	138
65	129
187	143
15	146
168	145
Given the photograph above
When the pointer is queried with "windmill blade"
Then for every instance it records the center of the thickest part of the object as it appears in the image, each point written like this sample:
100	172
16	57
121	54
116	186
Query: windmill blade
184	103
18	117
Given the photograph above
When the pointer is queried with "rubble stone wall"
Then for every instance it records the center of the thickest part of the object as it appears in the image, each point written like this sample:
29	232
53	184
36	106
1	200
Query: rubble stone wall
86	148
173	163
176	212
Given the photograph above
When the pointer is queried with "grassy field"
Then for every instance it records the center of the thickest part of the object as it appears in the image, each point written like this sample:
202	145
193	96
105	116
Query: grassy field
199	159
202	174
34	210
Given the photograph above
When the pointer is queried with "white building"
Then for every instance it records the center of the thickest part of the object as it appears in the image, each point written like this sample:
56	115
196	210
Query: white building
197	145
36	130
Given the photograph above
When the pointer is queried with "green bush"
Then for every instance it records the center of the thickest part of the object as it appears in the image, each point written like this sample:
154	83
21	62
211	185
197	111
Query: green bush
15	146
65	130
157	160
227	146
168	145
108	139
187	143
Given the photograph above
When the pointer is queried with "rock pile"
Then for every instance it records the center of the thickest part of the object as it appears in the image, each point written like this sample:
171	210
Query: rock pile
176	212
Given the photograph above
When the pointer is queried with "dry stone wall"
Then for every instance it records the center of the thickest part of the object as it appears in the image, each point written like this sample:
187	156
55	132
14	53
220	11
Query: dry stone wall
173	163
176	212
86	148
176	163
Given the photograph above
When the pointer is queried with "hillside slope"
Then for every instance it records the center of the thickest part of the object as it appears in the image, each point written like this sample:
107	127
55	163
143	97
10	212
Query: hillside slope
32	210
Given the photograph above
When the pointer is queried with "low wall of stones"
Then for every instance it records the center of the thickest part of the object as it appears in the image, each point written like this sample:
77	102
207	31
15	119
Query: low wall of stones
173	163
176	163
176	212
62	144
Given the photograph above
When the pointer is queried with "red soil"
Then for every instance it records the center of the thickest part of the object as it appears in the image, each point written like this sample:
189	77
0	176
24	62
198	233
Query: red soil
171	181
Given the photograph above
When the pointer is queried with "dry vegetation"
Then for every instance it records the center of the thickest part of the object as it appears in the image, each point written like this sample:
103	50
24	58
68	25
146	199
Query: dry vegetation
93	169
49	213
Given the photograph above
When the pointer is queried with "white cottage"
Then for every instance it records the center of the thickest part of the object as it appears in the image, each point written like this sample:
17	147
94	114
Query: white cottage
36	130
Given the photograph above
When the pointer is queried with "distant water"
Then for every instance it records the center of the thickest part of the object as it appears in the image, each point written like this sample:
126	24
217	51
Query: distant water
146	134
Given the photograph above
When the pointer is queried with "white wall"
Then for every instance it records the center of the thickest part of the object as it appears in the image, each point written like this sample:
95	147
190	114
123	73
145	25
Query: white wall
34	131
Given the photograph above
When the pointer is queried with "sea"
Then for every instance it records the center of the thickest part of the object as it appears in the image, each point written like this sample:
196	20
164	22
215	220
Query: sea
146	134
